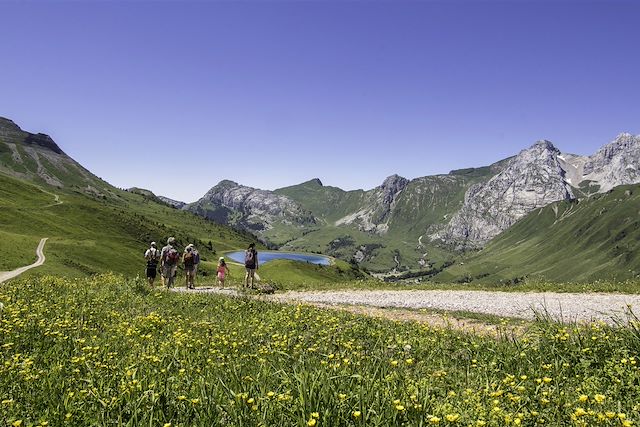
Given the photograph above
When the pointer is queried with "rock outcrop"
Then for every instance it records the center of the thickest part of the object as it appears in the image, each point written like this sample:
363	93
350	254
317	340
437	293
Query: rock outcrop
378	205
250	208
534	178
173	203
617	163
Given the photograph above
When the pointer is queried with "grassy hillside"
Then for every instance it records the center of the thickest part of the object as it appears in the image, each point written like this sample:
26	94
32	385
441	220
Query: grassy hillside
325	202
590	239
90	235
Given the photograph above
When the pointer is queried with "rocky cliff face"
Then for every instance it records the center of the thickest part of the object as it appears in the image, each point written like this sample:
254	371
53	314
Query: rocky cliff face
250	208
617	163
534	178
174	203
379	203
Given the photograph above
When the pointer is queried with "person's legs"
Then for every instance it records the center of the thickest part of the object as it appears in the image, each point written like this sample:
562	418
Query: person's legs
171	275
252	272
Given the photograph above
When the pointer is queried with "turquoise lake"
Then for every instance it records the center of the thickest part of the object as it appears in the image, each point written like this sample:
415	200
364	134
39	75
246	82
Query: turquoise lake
263	257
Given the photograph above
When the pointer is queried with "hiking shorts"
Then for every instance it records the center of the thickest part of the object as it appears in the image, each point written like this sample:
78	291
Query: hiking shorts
151	271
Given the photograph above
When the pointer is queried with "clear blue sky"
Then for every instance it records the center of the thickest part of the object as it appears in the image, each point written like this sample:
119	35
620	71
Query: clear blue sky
175	96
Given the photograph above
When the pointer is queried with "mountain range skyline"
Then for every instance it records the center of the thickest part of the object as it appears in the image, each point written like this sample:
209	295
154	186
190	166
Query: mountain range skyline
401	225
146	93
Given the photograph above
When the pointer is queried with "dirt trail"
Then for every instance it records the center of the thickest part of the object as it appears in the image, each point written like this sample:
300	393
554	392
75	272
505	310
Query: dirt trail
6	275
56	200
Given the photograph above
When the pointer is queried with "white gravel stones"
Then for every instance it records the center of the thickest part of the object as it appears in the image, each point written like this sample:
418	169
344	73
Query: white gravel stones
566	307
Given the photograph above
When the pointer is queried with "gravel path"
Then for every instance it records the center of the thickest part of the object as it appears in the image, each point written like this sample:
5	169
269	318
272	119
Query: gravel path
567	307
6	275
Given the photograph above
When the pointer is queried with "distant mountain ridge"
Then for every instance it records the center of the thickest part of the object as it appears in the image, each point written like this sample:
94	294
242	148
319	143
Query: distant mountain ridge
422	223
415	223
536	177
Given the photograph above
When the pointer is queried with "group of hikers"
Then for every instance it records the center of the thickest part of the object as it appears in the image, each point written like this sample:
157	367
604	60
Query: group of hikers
168	259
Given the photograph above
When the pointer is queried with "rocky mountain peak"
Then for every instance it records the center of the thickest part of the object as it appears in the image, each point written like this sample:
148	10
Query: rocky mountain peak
44	141
544	145
316	181
391	186
622	143
11	132
532	179
9	125
617	163
250	208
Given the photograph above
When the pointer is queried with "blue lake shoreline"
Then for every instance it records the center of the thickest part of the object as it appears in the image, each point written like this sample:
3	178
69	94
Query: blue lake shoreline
266	256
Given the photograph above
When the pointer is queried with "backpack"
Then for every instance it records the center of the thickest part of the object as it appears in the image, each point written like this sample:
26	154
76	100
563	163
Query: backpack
153	256
171	256
188	259
249	258
196	257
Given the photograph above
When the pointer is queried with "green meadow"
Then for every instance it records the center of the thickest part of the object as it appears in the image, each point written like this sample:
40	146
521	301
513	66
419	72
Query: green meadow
107	350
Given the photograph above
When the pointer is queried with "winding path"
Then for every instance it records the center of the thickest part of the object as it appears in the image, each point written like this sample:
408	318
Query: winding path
6	275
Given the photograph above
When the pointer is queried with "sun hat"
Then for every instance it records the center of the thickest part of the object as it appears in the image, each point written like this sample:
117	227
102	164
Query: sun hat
153	243
171	240
221	258
188	248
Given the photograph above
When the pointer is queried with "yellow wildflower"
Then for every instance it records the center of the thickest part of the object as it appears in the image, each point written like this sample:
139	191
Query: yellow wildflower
452	418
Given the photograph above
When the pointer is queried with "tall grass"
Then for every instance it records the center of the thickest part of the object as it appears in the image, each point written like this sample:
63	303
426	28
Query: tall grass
110	351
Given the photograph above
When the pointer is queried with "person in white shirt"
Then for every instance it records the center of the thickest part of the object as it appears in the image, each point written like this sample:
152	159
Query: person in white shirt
152	255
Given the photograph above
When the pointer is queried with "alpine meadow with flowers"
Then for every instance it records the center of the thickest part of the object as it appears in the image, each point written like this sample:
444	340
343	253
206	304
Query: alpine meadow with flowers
110	351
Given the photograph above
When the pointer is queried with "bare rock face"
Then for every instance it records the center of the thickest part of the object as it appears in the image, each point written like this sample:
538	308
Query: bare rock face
250	208
532	179
171	202
617	163
380	201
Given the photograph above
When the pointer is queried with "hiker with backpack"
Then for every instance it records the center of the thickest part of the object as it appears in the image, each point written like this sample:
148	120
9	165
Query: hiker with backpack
188	260
169	259
196	261
152	255
250	264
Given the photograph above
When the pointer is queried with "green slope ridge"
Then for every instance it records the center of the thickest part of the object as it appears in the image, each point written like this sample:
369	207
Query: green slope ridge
325	202
89	235
581	240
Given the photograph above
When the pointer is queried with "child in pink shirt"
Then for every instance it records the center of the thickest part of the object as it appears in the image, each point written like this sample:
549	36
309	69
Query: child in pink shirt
222	271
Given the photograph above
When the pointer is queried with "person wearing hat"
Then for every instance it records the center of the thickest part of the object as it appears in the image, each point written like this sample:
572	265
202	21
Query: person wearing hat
152	255
169	258
223	270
